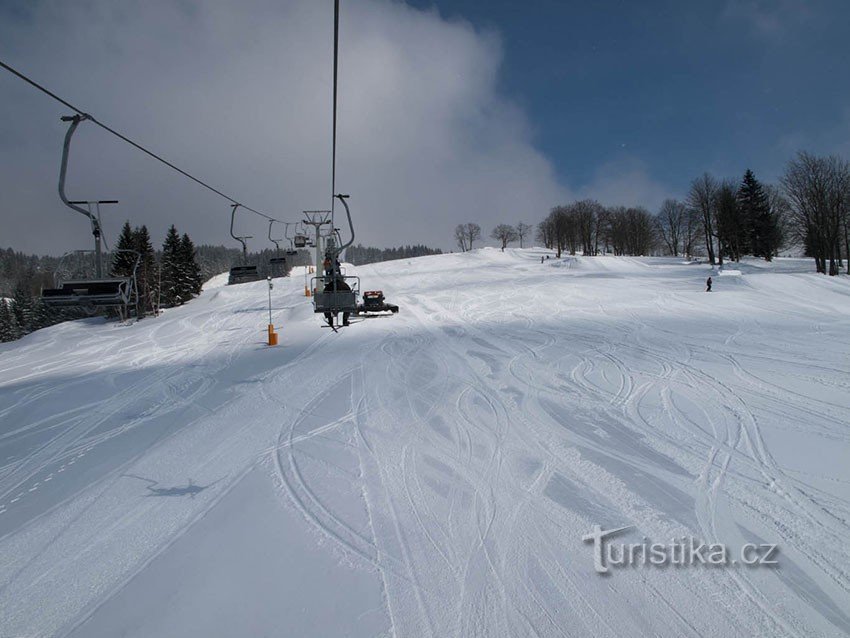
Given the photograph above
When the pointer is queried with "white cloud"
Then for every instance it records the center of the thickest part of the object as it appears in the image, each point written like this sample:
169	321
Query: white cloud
769	18
239	93
626	181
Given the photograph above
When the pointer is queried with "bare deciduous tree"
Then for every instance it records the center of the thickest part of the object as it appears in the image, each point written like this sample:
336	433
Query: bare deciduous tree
460	237
691	232
702	198
522	231
473	232
504	233
671	222
818	190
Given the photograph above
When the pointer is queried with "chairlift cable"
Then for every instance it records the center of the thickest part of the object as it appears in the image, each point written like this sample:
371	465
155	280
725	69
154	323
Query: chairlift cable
131	142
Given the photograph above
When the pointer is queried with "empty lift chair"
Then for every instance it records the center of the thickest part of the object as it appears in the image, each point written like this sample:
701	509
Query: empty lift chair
88	288
291	250
300	239
277	264
244	272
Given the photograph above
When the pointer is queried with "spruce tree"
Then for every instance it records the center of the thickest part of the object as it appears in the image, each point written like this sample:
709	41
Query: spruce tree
147	274
755	208
9	330
733	231
42	315
192	271
22	308
172	268
123	262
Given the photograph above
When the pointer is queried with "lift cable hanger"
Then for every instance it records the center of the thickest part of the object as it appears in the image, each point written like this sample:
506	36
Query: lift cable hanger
85	116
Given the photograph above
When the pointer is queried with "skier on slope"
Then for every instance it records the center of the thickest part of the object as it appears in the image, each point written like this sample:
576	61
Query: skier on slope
708	285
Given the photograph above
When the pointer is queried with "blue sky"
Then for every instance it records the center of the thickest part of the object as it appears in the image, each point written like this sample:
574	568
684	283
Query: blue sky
679	87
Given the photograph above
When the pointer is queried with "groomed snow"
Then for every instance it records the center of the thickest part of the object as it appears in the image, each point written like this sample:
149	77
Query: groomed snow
433	473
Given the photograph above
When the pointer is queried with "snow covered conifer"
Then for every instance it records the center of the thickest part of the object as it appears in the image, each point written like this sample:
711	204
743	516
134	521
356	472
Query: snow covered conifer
147	274
22	308
9	330
122	262
191	268
173	270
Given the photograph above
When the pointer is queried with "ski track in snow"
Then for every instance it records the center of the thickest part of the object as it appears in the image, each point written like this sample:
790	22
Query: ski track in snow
459	450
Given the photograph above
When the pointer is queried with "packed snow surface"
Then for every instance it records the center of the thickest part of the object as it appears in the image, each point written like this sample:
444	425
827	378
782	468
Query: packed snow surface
433	473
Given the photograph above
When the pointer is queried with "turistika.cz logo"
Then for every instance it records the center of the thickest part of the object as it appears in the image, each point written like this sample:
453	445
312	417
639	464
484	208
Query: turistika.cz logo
679	552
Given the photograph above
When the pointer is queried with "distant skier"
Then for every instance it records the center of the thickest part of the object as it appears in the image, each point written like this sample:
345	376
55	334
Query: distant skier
708	285
541	259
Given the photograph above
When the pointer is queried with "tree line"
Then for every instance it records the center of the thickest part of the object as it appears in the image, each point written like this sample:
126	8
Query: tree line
164	278
467	234
360	255
720	219
167	277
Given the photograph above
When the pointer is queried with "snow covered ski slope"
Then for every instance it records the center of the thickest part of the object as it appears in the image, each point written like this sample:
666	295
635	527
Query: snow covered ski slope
433	473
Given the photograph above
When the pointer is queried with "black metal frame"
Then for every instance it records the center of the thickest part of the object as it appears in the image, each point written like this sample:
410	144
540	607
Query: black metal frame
91	294
336	301
242	273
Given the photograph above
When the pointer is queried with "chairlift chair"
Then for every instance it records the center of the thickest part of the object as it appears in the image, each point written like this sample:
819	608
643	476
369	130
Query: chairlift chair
92	293
277	264
89	289
243	273
338	293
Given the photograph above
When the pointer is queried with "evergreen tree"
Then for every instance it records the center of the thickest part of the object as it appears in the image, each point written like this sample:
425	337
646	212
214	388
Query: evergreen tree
123	262
147	275
22	308
9	330
764	225
172	269
193	281
733	229
43	316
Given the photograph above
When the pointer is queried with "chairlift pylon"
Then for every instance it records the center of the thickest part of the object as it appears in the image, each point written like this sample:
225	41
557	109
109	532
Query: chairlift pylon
81	287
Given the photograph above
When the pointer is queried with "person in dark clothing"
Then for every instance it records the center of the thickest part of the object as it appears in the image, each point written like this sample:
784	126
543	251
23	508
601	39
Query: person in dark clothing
708	285
337	284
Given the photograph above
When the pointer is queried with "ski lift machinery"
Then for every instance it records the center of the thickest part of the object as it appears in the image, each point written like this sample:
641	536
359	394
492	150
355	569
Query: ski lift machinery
243	273
88	288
